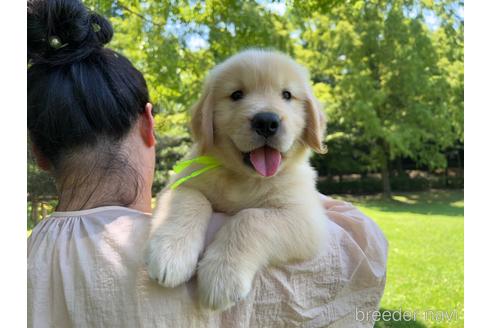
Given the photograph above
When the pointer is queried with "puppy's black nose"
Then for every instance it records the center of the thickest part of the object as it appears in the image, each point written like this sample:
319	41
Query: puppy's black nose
265	124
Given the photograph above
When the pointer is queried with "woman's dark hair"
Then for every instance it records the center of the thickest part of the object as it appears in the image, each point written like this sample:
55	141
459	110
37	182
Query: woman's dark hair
78	92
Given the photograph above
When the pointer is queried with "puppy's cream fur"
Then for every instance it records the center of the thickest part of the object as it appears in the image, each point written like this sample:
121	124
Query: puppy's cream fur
273	220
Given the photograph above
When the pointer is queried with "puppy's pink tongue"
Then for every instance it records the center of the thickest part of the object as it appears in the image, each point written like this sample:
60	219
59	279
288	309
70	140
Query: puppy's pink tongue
265	160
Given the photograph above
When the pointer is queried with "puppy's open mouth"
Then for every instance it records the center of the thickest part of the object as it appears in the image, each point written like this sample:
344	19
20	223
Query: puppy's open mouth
264	160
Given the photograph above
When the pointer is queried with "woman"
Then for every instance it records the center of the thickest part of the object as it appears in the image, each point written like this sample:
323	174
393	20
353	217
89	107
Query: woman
91	125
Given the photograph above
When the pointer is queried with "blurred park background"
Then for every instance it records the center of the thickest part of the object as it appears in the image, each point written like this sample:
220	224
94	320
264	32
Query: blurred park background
390	76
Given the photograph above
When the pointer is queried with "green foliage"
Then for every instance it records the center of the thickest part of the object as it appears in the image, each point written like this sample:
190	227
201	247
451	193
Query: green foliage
389	82
392	85
390	73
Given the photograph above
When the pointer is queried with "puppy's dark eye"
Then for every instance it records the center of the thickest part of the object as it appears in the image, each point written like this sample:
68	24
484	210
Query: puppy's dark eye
237	95
286	95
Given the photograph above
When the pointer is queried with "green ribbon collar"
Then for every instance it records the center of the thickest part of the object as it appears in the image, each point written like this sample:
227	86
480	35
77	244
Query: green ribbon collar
208	163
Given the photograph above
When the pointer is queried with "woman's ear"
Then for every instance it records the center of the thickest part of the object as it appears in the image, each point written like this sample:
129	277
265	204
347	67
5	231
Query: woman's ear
315	124
202	123
41	160
147	126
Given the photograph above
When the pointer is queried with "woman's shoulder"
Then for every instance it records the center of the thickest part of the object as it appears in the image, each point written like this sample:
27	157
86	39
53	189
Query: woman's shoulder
85	262
348	274
93	226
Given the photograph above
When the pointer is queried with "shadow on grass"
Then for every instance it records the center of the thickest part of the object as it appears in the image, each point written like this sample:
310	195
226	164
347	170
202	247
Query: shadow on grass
396	320
435	202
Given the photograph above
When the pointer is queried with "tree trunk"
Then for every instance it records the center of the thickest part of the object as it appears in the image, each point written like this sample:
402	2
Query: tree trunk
384	155
44	211
386	178
34	210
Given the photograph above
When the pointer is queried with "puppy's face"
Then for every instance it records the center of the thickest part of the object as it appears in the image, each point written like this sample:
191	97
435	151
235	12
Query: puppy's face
257	113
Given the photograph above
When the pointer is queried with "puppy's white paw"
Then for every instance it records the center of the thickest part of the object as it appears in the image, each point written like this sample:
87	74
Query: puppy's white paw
222	284
172	261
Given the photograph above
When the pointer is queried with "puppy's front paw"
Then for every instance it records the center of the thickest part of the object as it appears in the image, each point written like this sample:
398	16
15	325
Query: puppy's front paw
222	284
172	261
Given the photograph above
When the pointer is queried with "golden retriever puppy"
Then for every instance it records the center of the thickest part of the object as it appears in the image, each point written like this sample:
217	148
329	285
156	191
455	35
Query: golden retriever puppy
258	118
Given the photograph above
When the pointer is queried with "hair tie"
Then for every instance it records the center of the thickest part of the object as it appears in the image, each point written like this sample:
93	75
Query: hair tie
55	42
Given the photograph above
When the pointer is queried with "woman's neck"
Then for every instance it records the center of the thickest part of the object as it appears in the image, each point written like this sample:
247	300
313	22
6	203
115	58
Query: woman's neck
85	199
89	194
103	178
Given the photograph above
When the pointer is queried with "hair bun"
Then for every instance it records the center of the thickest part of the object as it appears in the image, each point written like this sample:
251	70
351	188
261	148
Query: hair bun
64	31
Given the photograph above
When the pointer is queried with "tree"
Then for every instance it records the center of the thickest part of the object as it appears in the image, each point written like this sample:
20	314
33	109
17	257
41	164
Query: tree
378	67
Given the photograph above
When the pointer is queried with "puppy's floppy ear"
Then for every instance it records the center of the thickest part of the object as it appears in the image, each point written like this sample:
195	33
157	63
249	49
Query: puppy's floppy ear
202	125
315	123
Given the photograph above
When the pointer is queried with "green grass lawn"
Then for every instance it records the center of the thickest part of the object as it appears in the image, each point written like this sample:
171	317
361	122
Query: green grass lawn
425	263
